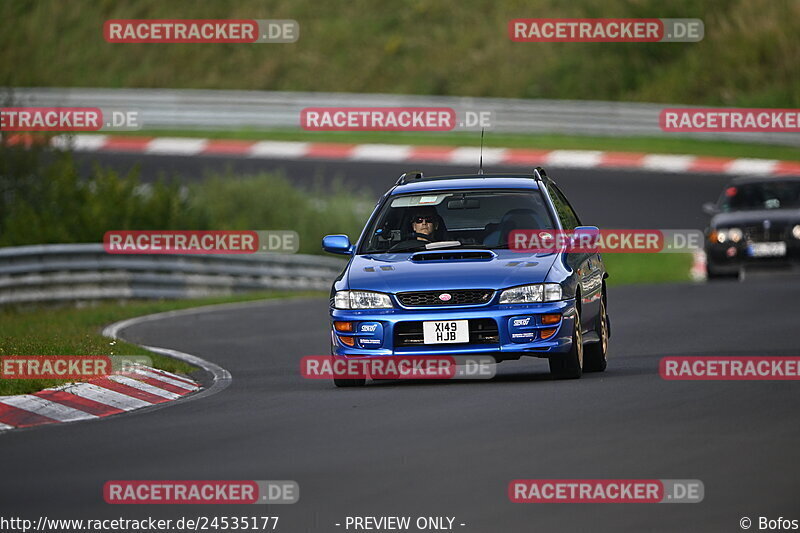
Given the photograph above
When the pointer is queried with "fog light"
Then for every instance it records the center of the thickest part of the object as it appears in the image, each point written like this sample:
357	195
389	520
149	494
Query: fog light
551	319
547	333
343	326
350	341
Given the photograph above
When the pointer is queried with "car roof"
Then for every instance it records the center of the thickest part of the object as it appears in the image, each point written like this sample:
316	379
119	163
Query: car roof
468	181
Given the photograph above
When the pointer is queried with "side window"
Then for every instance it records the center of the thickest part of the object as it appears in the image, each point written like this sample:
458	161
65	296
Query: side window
565	212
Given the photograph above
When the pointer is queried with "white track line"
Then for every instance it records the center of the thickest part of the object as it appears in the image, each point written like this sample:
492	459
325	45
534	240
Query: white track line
43	407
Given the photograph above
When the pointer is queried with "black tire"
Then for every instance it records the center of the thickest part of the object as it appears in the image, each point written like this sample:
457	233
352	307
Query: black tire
349	382
570	365
595	355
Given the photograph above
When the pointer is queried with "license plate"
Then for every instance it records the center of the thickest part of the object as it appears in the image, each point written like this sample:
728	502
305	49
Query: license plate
767	249
445	331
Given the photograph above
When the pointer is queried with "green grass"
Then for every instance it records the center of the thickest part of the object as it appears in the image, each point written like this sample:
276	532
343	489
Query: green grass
629	269
748	57
76	331
658	145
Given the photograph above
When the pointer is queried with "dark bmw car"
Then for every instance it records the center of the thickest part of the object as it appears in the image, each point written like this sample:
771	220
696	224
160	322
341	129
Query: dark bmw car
755	223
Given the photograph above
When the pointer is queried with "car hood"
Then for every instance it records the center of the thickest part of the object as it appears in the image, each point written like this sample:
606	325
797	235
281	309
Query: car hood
748	218
395	273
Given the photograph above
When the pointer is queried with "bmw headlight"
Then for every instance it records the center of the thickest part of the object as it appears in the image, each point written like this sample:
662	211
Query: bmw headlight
796	232
524	294
735	234
361	300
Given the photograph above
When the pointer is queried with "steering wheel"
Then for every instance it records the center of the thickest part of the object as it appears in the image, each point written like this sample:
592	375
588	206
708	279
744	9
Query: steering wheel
412	238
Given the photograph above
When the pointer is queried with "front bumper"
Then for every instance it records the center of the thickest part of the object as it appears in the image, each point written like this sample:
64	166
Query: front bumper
385	332
729	258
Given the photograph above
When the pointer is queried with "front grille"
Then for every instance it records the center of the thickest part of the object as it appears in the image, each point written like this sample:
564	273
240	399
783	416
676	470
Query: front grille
758	233
481	331
458	297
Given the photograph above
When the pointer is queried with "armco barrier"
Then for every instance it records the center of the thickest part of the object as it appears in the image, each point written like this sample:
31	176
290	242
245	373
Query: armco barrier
66	272
225	110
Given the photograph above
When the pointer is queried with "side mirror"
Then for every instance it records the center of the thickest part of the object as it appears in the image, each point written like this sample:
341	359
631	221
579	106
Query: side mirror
710	208
584	238
337	244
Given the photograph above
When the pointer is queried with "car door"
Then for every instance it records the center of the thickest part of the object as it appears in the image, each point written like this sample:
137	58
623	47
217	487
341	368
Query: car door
587	266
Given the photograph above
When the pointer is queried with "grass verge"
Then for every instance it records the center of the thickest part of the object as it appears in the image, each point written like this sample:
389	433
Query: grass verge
654	145
629	269
77	331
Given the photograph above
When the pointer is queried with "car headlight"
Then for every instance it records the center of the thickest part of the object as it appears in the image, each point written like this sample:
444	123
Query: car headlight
796	232
721	236
524	294
735	234
361	300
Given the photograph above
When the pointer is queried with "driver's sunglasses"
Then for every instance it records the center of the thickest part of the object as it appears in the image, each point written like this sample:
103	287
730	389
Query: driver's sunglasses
423	220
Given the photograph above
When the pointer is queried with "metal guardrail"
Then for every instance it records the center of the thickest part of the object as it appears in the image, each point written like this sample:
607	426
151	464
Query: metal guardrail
224	110
68	272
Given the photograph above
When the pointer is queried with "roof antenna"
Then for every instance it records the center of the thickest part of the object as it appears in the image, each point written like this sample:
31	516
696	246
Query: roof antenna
480	165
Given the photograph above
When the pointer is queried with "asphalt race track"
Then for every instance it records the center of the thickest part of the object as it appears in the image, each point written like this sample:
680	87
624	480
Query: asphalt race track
607	198
451	448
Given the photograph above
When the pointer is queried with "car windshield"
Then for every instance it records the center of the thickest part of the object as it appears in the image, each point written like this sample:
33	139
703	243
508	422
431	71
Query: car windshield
444	219
783	194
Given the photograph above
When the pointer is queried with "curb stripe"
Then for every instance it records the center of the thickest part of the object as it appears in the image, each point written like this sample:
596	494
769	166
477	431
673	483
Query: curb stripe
170	375
394	153
144	387
179	391
162	380
122	388
224	146
46	408
15	417
106	396
77	402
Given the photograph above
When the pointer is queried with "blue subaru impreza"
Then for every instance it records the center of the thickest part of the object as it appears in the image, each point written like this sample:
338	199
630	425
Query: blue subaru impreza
433	274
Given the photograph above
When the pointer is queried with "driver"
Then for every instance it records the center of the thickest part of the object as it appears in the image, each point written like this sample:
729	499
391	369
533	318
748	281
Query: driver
424	223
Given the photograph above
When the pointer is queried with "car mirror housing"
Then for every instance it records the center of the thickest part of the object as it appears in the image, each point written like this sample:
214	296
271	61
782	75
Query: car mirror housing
710	208
337	244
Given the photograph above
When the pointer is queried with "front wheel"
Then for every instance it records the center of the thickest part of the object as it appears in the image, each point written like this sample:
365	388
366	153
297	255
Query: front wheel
570	365
595	358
